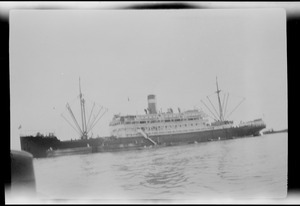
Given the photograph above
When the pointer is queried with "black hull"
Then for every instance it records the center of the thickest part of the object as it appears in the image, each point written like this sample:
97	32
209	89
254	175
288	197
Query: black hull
50	147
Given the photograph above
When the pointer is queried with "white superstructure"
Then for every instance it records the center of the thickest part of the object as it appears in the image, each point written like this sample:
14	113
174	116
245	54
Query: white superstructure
159	124
153	123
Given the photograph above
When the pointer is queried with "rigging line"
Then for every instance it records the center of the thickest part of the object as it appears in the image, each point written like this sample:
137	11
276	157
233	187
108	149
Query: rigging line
95	117
70	112
98	119
85	109
223	102
213	106
74	119
81	107
96	122
90	115
83	103
211	94
225	112
70	124
219	100
73	100
237	96
209	110
236	107
93	121
220	107
210	116
81	115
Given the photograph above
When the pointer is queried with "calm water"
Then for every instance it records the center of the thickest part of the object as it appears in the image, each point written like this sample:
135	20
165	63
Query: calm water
253	167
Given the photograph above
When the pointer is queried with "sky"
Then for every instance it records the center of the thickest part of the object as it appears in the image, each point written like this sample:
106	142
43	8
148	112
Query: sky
121	56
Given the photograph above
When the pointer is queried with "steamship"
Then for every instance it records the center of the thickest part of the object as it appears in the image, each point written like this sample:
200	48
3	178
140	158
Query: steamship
152	129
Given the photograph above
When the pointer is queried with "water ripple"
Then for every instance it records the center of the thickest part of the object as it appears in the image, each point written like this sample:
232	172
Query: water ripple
241	167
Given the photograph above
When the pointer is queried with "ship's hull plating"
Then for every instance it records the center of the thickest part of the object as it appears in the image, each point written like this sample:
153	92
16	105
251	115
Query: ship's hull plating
47	148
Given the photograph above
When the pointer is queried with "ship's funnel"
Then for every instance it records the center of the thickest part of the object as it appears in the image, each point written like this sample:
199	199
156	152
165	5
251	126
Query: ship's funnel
152	104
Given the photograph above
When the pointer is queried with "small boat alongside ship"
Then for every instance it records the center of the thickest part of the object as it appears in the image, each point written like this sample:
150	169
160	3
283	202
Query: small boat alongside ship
150	130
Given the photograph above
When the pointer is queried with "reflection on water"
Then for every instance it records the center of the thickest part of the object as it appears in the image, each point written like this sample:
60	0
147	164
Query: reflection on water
250	167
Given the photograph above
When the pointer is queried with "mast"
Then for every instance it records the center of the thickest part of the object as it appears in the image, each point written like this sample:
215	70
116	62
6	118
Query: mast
82	108
220	106
220	115
86	124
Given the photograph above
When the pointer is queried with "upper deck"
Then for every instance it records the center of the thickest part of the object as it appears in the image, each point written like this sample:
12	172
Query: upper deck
157	124
157	118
